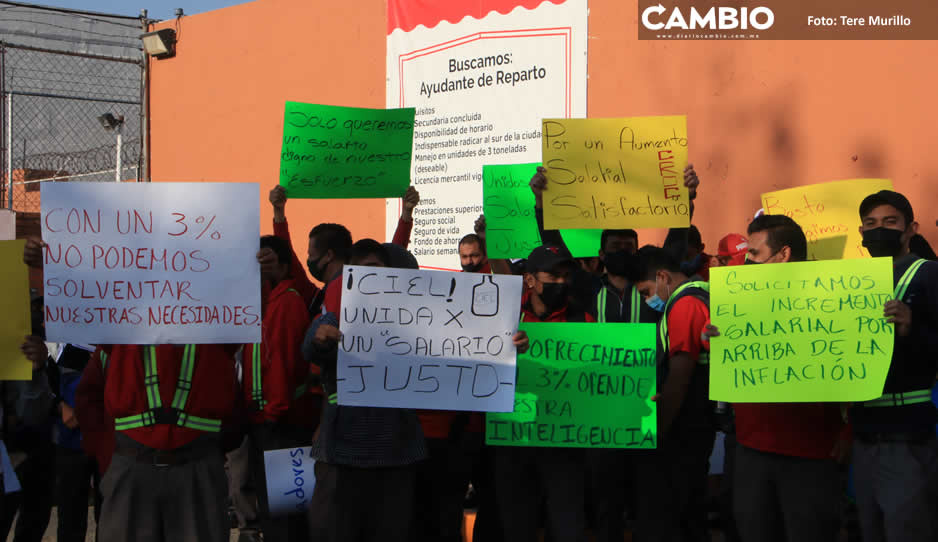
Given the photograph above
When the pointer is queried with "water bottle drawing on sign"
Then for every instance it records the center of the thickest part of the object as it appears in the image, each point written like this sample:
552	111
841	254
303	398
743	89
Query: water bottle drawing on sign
485	297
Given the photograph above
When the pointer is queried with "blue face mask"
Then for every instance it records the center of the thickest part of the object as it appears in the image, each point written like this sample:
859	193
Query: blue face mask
656	303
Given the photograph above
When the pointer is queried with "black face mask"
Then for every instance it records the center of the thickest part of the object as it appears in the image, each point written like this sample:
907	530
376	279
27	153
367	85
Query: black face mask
473	267
690	267
620	263
314	269
750	261
554	296
883	242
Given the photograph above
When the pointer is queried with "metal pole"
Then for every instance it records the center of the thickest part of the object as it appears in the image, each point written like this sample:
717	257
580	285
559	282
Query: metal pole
9	99
117	172
143	171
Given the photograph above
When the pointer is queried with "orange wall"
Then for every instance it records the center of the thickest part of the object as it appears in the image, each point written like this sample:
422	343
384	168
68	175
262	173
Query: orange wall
761	115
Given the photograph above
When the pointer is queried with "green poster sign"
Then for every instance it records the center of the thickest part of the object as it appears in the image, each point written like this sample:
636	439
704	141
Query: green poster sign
345	152
801	332
582	385
510	224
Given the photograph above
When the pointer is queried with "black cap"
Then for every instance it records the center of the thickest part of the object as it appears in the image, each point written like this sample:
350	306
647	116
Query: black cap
547	258
888	197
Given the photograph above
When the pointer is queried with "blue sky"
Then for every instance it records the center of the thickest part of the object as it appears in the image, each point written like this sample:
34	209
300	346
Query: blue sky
158	9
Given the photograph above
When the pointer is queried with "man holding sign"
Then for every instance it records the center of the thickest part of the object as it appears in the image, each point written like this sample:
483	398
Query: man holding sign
167	404
896	465
526	476
613	300
786	479
676	473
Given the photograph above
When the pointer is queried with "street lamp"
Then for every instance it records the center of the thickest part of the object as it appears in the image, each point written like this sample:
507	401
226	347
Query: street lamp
160	44
111	122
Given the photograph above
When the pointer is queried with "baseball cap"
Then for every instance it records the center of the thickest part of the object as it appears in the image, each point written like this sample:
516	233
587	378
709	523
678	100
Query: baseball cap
888	197
547	258
732	245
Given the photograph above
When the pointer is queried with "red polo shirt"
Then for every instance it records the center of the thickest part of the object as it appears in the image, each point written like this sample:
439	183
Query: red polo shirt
807	430
214	388
283	369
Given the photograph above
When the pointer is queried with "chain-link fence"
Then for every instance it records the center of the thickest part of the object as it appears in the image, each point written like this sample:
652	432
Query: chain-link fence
66	116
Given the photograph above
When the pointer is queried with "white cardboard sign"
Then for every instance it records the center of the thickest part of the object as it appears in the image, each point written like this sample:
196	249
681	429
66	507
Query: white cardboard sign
290	480
151	263
428	339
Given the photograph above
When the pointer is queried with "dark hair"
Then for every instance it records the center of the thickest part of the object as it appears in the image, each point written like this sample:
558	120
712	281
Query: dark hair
472	239
920	247
368	247
693	237
334	237
888	197
631	234
280	247
781	231
652	259
400	257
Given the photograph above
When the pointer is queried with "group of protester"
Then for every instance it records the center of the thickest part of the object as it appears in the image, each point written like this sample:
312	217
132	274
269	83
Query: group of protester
154	421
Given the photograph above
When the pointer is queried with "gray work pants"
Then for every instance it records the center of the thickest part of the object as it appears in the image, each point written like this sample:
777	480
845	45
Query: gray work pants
148	503
897	490
779	498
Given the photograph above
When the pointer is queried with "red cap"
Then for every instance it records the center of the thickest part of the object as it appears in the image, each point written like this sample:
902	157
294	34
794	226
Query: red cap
733	245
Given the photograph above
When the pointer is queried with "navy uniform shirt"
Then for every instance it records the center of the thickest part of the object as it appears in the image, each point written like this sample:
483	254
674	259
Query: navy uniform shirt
914	359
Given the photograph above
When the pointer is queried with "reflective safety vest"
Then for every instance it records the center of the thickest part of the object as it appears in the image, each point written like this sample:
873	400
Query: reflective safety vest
698	289
257	390
156	413
635	307
906	397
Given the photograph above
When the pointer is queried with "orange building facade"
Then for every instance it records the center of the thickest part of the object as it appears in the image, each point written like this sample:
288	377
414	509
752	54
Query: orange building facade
762	115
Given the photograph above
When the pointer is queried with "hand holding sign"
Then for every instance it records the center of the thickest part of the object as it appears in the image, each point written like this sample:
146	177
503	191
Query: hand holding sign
801	332
345	152
582	385
15	307
427	339
616	173
509	200
827	213
141	263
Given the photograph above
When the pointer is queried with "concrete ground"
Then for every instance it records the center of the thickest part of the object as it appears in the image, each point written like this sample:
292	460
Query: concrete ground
54	520
50	532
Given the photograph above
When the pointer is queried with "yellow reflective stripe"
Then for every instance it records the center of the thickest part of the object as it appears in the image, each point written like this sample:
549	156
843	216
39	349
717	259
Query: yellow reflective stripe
601	306
151	379
636	306
197	423
257	392
183	386
300	391
103	358
906	280
900	399
184	383
663	325
133	422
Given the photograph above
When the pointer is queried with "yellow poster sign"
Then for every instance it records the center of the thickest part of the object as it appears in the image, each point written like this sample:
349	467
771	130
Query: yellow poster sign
801	332
14	305
828	213
615	173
